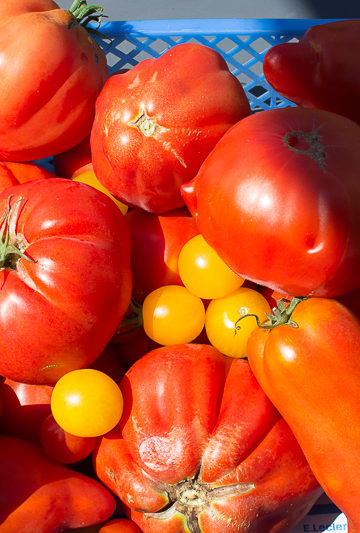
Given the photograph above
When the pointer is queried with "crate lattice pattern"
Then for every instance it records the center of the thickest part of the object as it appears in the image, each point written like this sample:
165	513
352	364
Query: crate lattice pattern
243	53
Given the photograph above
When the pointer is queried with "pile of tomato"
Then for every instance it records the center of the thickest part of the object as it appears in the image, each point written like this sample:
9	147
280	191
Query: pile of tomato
179	295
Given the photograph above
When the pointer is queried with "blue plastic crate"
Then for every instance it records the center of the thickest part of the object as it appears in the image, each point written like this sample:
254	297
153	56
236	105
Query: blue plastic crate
242	42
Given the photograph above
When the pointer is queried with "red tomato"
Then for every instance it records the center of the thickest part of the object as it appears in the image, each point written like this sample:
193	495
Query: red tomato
201	448
38	494
156	241
63	298
134	347
285	212
120	525
14	173
51	72
24	407
155	124
311	373
110	363
321	70
74	161
61	446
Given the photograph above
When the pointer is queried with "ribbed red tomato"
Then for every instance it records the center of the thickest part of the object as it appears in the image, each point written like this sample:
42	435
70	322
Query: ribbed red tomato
200	448
51	72
155	124
65	278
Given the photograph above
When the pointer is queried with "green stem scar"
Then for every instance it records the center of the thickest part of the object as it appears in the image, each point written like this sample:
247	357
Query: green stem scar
12	244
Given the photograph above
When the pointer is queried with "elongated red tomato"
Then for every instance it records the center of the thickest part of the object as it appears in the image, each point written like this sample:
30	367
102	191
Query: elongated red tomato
309	367
51	72
321	69
285	212
65	279
38	494
155	124
200	448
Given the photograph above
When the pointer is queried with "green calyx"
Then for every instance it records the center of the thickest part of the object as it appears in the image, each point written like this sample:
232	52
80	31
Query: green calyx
281	315
12	244
84	13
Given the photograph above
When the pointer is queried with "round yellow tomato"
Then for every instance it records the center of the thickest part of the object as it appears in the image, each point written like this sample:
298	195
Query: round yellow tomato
203	271
173	315
224	329
86	402
90	178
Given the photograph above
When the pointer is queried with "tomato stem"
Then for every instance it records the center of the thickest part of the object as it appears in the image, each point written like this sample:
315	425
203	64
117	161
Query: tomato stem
12	244
281	314
83	14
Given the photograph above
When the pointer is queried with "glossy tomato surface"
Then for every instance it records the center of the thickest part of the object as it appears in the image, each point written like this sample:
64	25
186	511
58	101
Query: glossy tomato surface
155	124
14	173
61	446
311	373
66	289
51	72
320	70
38	494
285	212
24	407
200	448
156	241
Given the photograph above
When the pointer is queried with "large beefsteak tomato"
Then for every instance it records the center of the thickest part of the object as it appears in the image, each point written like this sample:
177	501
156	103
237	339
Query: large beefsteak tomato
51	72
155	124
65	278
200	448
285	212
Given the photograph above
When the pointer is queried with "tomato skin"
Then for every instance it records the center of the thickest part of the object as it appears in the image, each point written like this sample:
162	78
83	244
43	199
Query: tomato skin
155	124
120	525
225	323
320	70
14	173
38	494
86	402
61	446
54	71
193	415
134	347
74	161
311	374
77	287
24	407
156	241
293	215
173	315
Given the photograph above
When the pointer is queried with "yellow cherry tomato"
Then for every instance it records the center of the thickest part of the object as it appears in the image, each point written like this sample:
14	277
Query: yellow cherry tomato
90	178
203	271
224	329
86	402
173	315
